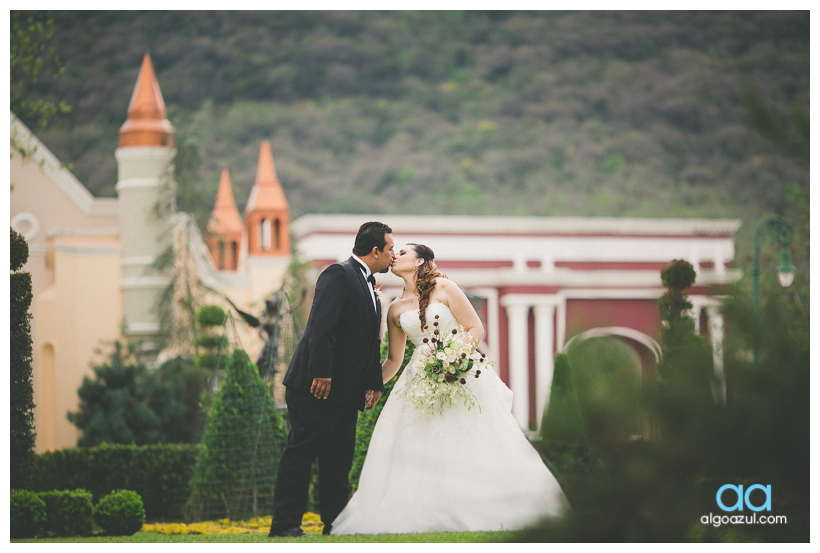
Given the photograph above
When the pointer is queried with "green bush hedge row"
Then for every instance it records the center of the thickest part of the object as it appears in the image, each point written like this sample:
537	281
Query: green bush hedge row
70	513
55	513
160	474
28	514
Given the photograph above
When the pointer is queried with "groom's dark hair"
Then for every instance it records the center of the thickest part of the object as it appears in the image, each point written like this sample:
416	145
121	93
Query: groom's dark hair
371	235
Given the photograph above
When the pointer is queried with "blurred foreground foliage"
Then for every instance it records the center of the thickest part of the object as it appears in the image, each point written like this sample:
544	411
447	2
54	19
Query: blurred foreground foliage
658	488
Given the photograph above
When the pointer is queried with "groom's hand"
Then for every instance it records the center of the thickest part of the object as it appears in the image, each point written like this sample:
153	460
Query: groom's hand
320	387
371	399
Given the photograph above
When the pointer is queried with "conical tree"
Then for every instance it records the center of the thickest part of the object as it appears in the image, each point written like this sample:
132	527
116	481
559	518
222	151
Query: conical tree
235	472
562	421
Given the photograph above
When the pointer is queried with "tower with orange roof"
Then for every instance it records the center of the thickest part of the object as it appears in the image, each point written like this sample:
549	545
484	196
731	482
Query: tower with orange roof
267	217
267	213
144	159
225	227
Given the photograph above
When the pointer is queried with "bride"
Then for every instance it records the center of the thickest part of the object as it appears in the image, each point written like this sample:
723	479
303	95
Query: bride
461	470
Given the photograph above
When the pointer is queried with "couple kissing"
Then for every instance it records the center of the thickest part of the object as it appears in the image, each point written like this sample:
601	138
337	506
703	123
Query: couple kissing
433	464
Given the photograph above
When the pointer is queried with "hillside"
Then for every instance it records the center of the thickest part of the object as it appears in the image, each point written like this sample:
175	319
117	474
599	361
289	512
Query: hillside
508	113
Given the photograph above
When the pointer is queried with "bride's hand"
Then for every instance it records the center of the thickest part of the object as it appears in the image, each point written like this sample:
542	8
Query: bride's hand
372	398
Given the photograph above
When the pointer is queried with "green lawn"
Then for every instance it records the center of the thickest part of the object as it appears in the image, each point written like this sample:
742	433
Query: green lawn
153	537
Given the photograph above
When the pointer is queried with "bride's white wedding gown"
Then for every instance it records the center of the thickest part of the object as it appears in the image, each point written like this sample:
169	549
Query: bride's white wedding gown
463	471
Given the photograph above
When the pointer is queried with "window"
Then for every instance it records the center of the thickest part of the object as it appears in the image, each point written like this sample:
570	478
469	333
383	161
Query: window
265	235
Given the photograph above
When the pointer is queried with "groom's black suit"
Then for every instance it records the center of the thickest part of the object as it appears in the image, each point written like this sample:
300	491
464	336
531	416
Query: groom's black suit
341	342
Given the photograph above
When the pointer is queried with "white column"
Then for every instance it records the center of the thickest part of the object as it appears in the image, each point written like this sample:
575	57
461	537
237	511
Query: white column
720	261
544	328
519	362
716	333
142	173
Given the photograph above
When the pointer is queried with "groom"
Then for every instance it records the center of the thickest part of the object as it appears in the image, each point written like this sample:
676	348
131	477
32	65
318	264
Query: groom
335	372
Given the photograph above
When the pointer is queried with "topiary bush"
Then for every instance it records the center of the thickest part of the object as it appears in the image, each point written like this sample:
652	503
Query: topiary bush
28	515
235	471
562	420
120	513
68	512
211	315
21	391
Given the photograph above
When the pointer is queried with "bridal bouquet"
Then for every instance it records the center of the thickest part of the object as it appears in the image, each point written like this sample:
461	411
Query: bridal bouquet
442	367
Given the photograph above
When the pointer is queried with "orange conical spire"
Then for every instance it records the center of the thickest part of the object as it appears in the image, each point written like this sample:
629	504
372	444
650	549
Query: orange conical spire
225	219
147	124
267	212
267	193
225	227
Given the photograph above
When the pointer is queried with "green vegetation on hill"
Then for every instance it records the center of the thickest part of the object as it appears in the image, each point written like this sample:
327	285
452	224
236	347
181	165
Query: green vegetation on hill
504	113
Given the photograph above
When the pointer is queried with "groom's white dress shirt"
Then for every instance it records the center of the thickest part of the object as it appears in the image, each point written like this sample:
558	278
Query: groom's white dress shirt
367	274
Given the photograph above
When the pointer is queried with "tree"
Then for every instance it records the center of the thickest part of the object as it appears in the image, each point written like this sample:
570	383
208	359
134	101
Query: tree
121	405
235	472
685	400
21	392
30	54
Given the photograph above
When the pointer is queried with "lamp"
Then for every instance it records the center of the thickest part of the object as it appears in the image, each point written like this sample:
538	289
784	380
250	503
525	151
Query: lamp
785	272
781	232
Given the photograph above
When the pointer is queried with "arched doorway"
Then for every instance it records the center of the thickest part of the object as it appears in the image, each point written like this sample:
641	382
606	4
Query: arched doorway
610	368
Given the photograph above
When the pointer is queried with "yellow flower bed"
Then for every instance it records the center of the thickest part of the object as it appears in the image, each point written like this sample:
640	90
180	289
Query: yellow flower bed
310	523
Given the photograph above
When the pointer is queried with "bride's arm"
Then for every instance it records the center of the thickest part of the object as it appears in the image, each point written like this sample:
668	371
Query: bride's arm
396	339
461	307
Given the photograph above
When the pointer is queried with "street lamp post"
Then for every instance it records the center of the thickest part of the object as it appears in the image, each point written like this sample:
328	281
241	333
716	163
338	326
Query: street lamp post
781	232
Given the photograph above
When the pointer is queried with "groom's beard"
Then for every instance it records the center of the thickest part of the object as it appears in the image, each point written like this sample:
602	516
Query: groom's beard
386	269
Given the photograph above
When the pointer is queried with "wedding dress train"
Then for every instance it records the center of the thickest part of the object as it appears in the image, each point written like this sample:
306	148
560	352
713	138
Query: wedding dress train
467	470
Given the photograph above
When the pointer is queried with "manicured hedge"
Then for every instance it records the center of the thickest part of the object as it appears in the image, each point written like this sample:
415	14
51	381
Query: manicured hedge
28	515
68	512
160	474
120	513
21	391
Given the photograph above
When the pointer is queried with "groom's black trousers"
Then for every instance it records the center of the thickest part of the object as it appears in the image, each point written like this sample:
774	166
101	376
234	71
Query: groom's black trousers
318	429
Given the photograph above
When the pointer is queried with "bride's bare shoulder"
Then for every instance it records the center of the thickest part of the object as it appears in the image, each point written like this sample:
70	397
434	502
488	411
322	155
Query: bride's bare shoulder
397	309
444	284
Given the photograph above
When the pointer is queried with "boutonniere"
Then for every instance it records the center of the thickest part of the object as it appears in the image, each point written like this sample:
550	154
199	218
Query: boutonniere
378	292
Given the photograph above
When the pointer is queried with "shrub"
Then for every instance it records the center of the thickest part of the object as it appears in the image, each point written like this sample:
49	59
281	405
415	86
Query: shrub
21	391
158	473
68	513
236	467
562	419
211	315
120	513
28	514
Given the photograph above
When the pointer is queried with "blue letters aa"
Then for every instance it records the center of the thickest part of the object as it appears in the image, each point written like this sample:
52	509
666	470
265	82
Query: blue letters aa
741	498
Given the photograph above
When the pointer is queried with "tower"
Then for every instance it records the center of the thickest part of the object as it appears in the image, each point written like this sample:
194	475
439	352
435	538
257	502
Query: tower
225	227
144	159
267	213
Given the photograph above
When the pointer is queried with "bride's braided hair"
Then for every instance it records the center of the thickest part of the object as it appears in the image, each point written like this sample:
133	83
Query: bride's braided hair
426	275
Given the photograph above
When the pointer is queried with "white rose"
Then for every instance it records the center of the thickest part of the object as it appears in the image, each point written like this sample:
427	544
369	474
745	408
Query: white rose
441	355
